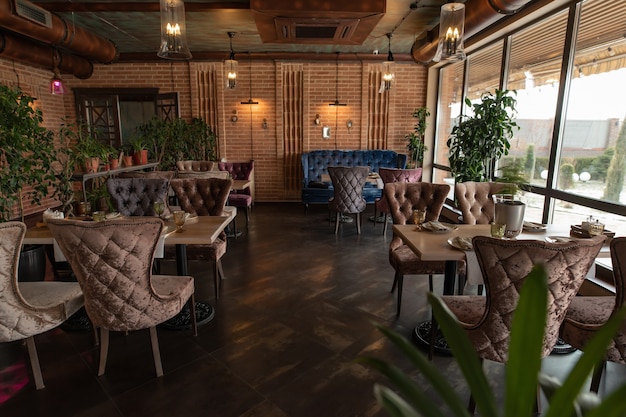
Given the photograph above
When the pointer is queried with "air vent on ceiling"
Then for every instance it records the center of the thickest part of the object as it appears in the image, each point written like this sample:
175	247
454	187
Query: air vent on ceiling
35	14
315	30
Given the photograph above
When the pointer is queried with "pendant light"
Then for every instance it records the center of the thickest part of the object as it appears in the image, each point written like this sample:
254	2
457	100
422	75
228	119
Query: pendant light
230	65
451	28
336	102
173	31
385	84
56	83
250	101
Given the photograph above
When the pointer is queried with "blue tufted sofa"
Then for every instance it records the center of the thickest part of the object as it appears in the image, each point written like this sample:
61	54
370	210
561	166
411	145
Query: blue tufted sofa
315	163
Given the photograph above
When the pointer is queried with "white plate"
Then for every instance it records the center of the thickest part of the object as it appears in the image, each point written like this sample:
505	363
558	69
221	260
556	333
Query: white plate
559	239
113	215
429	227
461	243
534	227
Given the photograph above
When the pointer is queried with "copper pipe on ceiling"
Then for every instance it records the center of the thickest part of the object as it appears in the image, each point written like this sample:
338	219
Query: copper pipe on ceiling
479	14
62	34
33	53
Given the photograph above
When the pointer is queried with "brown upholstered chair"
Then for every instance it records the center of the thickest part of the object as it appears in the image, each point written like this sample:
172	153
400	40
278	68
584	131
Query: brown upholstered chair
196	166
586	314
505	264
30	308
403	198
348	183
388	175
112	261
475	200
204	197
240	198
134	196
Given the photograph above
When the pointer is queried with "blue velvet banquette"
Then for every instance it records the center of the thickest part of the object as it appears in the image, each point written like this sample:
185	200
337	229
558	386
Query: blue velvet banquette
315	163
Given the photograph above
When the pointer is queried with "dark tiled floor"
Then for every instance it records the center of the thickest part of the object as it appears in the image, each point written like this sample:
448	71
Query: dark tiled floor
296	310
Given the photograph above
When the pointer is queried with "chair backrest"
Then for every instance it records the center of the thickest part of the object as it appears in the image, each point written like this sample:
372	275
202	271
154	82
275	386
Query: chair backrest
11	238
203	174
203	197
618	259
238	170
134	196
404	197
348	183
168	175
505	265
195	166
112	261
475	200
399	175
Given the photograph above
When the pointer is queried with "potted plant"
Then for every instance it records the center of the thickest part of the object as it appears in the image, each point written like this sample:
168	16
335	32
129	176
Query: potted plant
140	151
523	368
89	149
415	140
479	140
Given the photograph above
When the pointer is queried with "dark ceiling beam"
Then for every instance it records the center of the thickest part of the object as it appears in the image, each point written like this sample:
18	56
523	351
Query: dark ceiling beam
80	7
272	56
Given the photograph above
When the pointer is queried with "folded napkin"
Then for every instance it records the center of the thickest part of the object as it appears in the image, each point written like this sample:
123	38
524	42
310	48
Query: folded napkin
435	226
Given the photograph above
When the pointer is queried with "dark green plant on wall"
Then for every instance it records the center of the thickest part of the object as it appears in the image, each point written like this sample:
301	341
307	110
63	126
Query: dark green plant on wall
478	141
566	176
415	140
615	174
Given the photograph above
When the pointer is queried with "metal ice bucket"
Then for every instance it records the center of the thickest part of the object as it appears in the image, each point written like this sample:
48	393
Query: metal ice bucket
511	213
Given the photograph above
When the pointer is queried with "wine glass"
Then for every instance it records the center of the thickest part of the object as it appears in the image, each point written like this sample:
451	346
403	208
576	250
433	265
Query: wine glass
179	219
159	207
419	217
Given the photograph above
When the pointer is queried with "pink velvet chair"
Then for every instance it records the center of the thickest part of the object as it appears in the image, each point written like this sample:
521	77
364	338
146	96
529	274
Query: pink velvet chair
475	200
348	183
241	198
388	175
30	308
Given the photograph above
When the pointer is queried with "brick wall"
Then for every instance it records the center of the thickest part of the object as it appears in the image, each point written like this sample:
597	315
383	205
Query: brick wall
246	139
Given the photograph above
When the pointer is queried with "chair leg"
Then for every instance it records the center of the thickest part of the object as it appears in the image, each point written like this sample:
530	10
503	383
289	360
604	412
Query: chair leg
34	362
400	282
385	225
461	288
104	350
156	353
192	309
337	218
430	283
358	223
247	216
471	407
216	279
597	376
375	216
395	281
480	289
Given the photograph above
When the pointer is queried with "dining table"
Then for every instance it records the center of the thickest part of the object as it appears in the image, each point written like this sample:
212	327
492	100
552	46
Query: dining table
438	245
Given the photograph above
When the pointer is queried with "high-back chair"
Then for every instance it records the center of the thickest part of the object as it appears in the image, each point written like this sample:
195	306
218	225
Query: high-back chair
112	261
205	197
403	198
505	265
475	200
586	314
388	175
348	183
241	198
134	196
30	308
196	166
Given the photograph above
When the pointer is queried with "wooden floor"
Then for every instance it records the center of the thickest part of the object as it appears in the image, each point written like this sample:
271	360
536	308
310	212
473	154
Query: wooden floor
296	309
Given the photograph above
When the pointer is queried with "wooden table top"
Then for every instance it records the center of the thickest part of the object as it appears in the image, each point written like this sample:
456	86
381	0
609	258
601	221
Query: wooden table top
241	184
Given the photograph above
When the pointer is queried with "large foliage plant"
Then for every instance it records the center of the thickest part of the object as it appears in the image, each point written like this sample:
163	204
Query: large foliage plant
479	140
415	139
523	368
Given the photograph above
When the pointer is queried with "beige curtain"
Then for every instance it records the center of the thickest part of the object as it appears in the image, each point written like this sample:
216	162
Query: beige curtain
378	109
292	92
207	80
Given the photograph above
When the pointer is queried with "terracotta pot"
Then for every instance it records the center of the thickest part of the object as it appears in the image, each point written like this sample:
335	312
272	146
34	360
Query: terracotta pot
114	163
140	157
128	161
92	164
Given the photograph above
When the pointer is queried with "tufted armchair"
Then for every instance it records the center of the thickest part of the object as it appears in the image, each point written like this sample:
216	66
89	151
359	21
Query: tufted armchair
403	198
505	264
475	200
196	166
348	183
586	314
388	175
204	197
241	198
112	261
30	308
134	196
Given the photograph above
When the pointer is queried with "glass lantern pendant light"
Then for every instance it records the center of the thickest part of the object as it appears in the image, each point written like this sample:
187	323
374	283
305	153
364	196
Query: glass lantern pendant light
451	27
56	83
388	74
230	65
173	31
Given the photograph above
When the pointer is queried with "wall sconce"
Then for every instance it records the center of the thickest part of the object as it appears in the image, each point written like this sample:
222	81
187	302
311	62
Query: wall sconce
264	125
234	117
173	31
230	65
451	29
56	83
317	120
385	84
349	125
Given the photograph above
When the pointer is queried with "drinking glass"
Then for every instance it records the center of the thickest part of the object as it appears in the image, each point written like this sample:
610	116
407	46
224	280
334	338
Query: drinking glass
497	230
179	220
159	207
419	216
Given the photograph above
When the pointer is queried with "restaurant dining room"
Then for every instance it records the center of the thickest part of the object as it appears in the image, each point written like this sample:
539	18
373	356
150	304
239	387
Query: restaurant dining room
252	208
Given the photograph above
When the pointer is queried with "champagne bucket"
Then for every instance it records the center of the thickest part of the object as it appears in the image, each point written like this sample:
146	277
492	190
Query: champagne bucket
511	213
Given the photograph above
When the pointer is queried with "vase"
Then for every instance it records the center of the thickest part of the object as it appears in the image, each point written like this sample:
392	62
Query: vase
510	213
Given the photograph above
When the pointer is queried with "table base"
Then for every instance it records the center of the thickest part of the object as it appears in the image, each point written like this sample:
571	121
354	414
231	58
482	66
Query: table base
562	348
421	334
182	321
381	219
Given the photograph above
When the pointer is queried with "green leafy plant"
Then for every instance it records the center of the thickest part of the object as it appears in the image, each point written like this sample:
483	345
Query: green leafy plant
523	368
478	141
415	140
27	153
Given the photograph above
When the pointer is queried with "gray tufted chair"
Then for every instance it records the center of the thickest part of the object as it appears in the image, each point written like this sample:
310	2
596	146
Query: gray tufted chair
475	200
388	175
112	261
134	196
196	166
204	197
403	198
348	183
505	264
586	314
30	308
